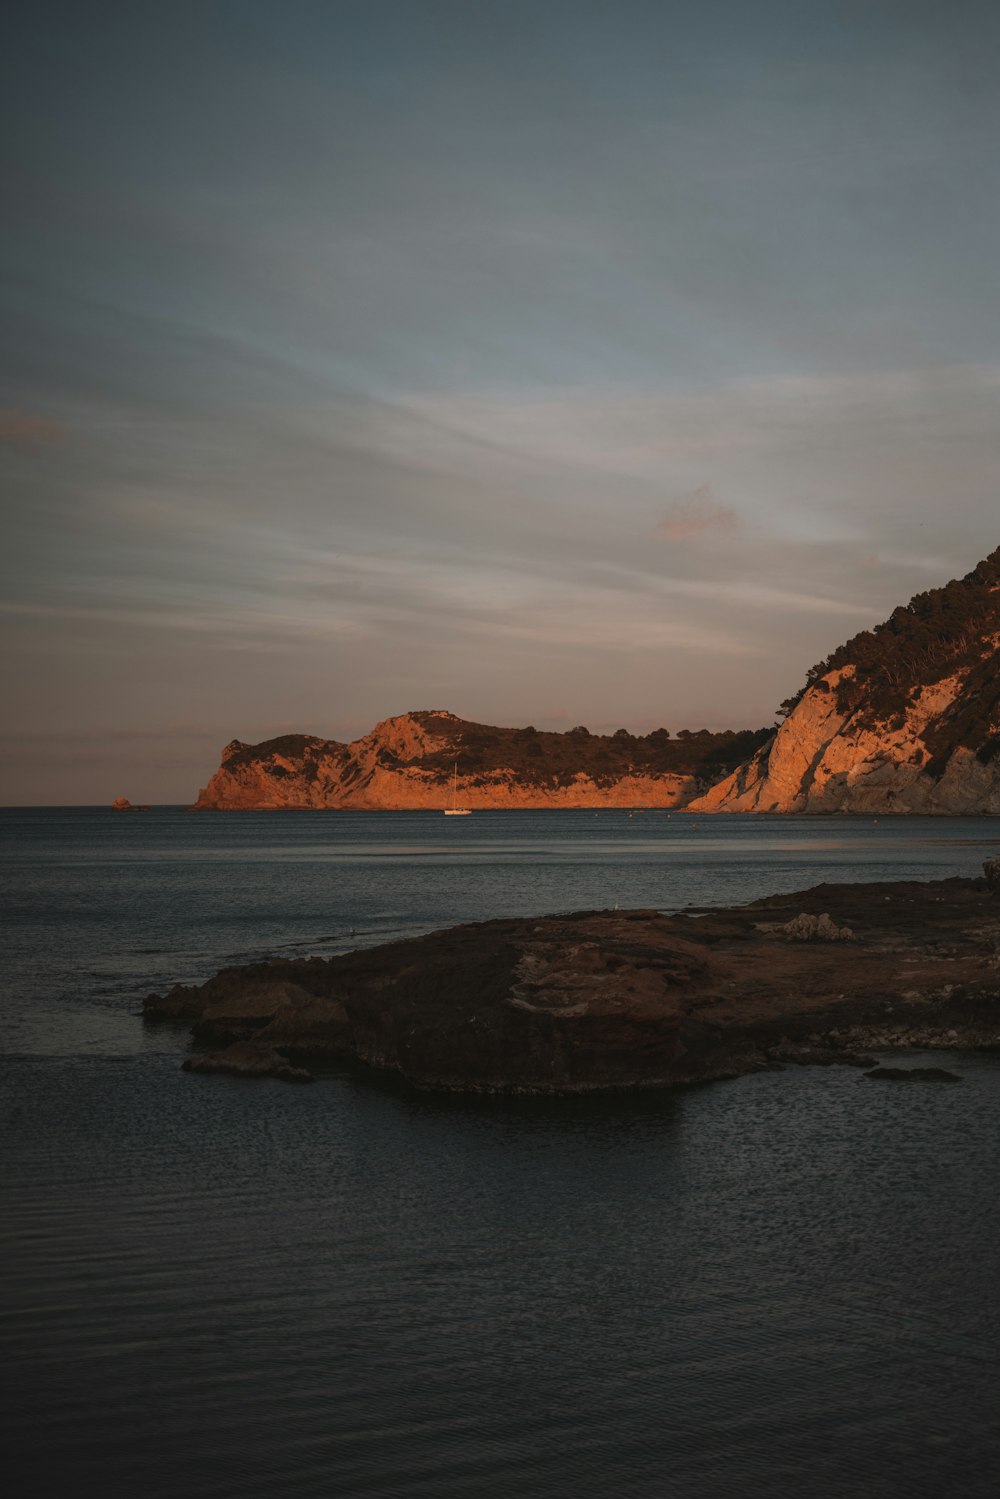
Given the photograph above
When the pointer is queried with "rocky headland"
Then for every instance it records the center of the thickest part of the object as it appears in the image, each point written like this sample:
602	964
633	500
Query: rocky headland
419	760
903	718
625	999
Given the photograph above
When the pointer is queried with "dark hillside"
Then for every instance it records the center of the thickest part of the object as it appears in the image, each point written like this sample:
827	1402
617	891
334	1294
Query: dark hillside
536	756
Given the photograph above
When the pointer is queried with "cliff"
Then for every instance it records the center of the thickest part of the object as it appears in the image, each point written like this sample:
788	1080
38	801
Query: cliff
409	762
903	718
615	999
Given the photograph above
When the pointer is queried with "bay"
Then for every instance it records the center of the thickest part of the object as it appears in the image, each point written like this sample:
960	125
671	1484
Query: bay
211	1286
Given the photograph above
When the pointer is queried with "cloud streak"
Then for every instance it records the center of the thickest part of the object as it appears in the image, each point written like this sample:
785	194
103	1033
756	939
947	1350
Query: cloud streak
694	514
341	380
27	433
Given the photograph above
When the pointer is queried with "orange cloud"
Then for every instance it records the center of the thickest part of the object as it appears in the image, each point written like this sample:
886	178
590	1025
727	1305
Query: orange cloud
19	429
694	513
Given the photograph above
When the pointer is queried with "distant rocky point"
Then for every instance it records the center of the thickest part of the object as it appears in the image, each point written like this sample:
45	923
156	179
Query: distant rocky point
122	804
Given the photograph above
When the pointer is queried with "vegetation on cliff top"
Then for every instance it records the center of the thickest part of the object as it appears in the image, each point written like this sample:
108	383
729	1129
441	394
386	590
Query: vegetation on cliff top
534	757
537	756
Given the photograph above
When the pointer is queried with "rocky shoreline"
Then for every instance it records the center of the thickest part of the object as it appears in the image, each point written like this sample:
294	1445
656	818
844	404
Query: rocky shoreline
624	999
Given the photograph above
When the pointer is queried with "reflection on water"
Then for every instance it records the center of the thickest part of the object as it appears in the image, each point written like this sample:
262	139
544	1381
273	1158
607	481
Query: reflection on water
779	1285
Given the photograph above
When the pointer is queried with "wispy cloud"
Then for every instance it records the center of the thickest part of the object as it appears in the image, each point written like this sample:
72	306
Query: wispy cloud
25	432
695	513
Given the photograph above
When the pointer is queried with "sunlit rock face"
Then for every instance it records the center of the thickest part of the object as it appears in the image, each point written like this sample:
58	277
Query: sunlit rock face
821	761
903	718
907	718
430	759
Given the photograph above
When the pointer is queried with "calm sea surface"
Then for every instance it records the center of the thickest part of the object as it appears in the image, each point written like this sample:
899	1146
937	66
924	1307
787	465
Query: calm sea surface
783	1285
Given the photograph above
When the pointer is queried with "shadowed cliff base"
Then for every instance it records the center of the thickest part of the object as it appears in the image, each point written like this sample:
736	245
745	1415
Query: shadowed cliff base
627	999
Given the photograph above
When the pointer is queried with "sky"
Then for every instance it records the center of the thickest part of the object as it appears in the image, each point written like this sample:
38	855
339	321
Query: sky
556	362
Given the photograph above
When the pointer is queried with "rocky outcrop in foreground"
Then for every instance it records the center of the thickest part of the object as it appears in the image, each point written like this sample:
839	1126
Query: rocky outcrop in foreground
624	999
904	718
414	760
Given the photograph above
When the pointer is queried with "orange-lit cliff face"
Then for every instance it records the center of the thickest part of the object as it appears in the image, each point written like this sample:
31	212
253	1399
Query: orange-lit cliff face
409	762
903	718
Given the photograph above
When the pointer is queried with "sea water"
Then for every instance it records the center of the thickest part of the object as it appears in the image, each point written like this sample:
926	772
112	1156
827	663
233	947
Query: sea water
218	1287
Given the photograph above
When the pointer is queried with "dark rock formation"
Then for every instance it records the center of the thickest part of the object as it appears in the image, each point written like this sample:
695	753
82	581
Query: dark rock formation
615	999
249	1059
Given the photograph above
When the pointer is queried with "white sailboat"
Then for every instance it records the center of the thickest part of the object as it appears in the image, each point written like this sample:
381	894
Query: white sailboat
455	810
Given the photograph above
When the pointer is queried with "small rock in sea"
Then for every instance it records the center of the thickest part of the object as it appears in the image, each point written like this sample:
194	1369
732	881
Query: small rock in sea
249	1059
914	1074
